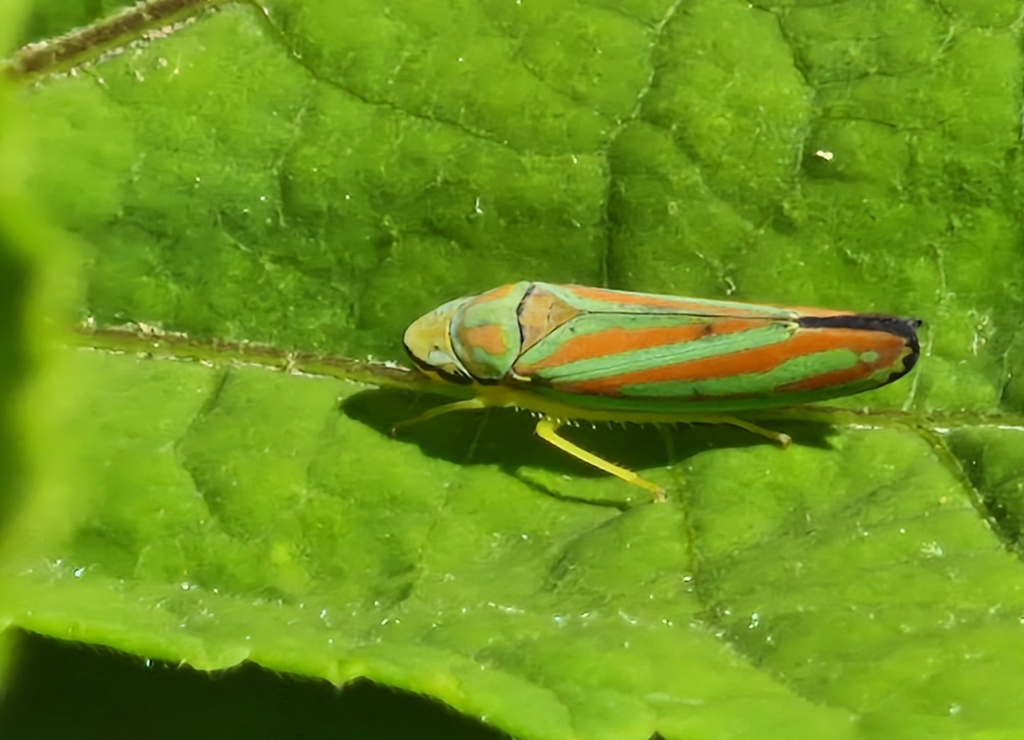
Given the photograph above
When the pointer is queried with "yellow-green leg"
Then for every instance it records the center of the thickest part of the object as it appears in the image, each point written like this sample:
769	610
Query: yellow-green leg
547	429
467	405
779	438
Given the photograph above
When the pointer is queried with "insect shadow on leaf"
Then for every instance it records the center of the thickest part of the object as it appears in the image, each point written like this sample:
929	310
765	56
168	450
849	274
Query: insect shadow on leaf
504	437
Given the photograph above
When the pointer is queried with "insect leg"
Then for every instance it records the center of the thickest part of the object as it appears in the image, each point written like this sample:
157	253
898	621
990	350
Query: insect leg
779	438
469	404
547	429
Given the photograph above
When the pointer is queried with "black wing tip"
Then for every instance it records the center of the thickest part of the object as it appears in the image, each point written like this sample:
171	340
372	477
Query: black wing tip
909	334
904	328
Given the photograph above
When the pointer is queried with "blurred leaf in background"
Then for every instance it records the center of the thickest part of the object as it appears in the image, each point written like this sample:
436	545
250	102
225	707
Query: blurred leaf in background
311	175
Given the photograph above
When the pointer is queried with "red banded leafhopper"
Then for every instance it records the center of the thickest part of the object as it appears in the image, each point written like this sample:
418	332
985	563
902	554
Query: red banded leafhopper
570	352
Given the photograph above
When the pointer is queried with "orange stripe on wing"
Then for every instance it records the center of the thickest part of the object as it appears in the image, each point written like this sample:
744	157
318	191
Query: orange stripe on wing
758	360
629	299
811	311
616	340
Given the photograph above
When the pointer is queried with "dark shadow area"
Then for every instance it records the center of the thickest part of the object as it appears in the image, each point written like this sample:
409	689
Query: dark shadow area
13	287
995	493
504	437
69	691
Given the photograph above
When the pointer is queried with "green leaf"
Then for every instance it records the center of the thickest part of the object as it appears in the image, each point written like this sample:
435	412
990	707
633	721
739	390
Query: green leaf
312	177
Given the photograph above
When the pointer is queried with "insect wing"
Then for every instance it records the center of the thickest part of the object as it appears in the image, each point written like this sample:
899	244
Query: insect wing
644	352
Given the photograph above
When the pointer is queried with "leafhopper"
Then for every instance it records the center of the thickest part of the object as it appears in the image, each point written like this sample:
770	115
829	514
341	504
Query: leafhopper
569	352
